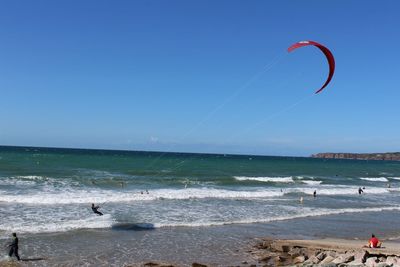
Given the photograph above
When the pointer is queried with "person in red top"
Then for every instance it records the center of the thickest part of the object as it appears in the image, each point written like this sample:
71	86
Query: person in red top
374	242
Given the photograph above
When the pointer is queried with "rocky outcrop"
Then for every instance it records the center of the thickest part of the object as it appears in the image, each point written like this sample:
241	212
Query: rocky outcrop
395	156
287	253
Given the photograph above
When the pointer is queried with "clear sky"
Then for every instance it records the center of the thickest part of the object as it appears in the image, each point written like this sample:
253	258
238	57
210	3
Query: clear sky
174	75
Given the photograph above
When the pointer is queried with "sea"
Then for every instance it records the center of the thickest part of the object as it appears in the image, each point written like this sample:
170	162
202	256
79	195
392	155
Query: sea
46	196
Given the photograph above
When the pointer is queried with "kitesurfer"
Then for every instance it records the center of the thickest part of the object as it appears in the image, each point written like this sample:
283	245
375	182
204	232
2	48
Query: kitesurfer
95	209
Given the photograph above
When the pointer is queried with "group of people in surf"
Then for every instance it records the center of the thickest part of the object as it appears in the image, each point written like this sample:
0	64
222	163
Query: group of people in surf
360	191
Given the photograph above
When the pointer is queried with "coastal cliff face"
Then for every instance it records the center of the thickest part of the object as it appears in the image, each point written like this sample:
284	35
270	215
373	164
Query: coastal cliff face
365	156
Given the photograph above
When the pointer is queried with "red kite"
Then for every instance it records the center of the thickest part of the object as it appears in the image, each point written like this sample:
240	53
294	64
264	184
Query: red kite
328	54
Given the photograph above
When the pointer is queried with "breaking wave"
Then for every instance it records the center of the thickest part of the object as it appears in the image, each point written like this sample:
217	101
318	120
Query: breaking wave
305	214
266	179
375	179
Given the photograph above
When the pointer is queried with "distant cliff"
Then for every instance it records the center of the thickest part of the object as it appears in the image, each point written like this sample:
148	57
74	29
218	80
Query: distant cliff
365	156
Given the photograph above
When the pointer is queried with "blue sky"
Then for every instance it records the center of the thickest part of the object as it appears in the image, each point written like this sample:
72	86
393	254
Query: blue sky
174	75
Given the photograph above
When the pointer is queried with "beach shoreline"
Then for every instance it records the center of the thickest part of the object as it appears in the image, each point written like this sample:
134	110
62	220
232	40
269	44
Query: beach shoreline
268	252
228	245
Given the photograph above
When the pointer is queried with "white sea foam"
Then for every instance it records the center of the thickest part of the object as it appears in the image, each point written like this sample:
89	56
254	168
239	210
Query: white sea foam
50	195
395	178
92	222
311	182
304	214
31	177
99	196
375	179
266	179
16	182
305	177
106	221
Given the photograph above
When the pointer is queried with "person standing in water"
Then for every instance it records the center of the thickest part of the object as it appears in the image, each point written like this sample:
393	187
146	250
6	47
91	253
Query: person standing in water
315	193
95	209
360	191
14	247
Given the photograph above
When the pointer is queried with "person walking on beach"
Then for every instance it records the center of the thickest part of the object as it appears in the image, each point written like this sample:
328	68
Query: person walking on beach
14	246
95	209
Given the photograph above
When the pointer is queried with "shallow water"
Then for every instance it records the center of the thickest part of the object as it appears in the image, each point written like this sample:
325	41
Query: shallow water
50	190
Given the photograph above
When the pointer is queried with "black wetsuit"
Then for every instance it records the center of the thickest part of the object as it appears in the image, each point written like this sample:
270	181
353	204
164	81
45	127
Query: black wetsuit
360	191
94	209
14	248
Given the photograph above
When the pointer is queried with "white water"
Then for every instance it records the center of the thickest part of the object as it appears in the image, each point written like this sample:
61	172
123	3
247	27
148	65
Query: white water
375	179
311	182
46	204
266	179
304	214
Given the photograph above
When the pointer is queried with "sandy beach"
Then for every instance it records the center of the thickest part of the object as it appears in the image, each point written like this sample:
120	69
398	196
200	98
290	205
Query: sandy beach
269	252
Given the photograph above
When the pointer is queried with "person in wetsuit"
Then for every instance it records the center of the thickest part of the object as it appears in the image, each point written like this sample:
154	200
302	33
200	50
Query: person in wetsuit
14	247
360	191
95	209
315	193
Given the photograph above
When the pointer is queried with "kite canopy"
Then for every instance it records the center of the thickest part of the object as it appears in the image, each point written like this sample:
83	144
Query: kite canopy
328	54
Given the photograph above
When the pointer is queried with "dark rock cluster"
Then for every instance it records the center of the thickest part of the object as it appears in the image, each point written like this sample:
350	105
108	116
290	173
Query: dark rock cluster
366	156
